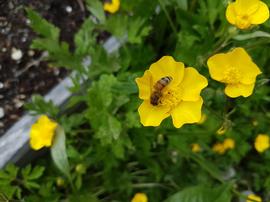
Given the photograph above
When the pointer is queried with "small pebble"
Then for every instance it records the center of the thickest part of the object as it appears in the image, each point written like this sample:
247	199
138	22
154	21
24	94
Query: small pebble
69	9
28	21
1	125
16	54
1	85
4	49
2	113
19	104
31	53
1	96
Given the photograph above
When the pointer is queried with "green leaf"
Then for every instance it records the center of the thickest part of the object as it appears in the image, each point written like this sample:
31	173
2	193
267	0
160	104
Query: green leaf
203	194
137	30
85	38
58	152
42	26
96	8
182	4
36	173
257	34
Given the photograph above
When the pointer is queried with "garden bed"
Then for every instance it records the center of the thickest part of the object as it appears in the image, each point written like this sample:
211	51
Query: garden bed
22	69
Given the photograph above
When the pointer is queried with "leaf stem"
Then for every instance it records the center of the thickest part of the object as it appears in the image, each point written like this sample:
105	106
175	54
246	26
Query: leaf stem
168	16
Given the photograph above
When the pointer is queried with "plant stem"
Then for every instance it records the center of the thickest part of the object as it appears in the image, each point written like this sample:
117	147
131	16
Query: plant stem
168	17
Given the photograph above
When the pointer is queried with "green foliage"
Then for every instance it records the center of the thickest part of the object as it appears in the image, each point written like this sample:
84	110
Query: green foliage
103	152
58	152
202	193
13	182
39	106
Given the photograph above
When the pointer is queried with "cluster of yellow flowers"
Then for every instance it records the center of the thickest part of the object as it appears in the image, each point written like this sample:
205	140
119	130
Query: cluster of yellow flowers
226	145
169	88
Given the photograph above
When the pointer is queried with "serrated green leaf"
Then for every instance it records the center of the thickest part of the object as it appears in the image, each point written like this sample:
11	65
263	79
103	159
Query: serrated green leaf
137	30
36	173
58	152
85	39
31	185
203	194
96	8
42	26
26	171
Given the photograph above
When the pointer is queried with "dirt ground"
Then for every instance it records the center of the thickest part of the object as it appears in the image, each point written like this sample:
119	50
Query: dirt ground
22	71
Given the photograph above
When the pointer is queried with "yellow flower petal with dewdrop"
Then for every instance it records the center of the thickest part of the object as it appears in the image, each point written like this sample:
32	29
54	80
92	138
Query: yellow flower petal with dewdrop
180	99
112	7
140	197
236	69
245	13
253	198
42	133
262	142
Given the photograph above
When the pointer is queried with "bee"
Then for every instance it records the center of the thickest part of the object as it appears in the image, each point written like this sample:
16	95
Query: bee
158	87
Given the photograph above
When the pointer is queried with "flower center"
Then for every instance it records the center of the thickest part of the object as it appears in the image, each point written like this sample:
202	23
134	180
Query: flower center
242	21
171	97
231	75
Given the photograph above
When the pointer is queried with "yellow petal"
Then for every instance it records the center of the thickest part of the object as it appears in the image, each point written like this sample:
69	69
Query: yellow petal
262	142
261	15
246	7
192	84
144	84
187	112
152	115
42	132
112	7
231	14
167	66
140	197
218	64
248	70
236	90
253	198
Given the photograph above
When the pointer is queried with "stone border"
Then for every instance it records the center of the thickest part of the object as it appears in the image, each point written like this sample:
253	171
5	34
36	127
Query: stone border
14	143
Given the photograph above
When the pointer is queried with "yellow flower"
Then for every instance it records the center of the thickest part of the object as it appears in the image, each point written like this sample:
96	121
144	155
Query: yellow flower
196	148
112	7
42	133
140	197
244	13
229	143
236	69
168	88
262	142
253	198
219	148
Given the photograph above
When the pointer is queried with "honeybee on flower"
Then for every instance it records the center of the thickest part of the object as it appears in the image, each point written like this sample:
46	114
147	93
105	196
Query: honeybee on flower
170	89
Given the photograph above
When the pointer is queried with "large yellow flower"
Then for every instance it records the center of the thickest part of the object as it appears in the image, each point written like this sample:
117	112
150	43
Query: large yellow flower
42	133
236	69
140	197
112	7
180	98
262	142
244	13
